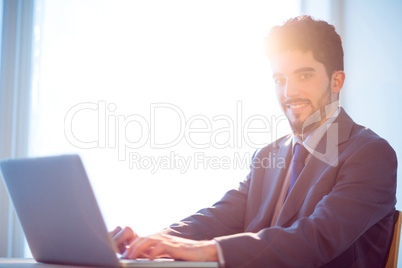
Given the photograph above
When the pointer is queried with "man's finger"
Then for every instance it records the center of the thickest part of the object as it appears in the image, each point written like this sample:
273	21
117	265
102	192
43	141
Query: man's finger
159	250
125	235
115	231
131	248
123	238
140	247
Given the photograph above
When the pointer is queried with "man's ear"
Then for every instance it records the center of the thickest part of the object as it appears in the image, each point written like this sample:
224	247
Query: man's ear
337	80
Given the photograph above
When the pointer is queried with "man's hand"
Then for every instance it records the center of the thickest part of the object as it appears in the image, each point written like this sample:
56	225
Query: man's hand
123	237
173	247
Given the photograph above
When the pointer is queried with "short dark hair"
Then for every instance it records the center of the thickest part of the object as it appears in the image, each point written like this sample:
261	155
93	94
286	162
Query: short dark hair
306	34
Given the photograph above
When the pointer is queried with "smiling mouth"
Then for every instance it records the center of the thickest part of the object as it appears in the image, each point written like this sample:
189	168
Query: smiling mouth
297	106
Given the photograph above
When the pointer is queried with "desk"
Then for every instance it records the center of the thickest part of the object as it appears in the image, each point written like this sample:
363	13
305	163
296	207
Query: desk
30	263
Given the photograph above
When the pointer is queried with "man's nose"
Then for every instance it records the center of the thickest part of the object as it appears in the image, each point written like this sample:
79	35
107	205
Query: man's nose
291	89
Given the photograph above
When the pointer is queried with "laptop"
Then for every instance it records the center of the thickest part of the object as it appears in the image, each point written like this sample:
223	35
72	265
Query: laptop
60	217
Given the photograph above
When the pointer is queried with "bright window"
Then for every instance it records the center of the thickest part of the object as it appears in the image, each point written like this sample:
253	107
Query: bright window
165	101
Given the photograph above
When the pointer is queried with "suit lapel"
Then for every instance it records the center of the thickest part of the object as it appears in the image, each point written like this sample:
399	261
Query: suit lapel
325	156
272	185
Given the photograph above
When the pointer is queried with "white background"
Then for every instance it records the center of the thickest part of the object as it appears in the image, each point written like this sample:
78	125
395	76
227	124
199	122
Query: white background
205	58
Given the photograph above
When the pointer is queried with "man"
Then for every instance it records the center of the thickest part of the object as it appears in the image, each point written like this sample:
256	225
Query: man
330	205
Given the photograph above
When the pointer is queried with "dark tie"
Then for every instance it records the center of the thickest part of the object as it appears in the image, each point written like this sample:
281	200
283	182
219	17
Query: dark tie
299	158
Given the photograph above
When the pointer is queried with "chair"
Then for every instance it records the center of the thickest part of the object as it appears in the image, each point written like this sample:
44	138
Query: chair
392	260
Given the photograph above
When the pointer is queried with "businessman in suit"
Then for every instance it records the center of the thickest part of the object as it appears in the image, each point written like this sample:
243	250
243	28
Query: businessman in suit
331	201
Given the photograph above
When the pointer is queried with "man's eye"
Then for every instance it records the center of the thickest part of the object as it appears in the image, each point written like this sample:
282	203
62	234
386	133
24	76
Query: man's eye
305	76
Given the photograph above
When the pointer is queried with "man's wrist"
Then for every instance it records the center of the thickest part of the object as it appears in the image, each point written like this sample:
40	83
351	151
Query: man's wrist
211	252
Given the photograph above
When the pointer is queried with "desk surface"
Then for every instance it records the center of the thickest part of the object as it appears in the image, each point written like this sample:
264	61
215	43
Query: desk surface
28	263
31	263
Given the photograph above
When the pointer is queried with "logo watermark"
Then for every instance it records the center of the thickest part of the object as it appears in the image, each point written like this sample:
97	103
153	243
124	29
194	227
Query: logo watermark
167	127
200	160
127	133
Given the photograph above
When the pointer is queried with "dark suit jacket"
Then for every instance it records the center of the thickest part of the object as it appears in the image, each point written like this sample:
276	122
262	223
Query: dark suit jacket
339	213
